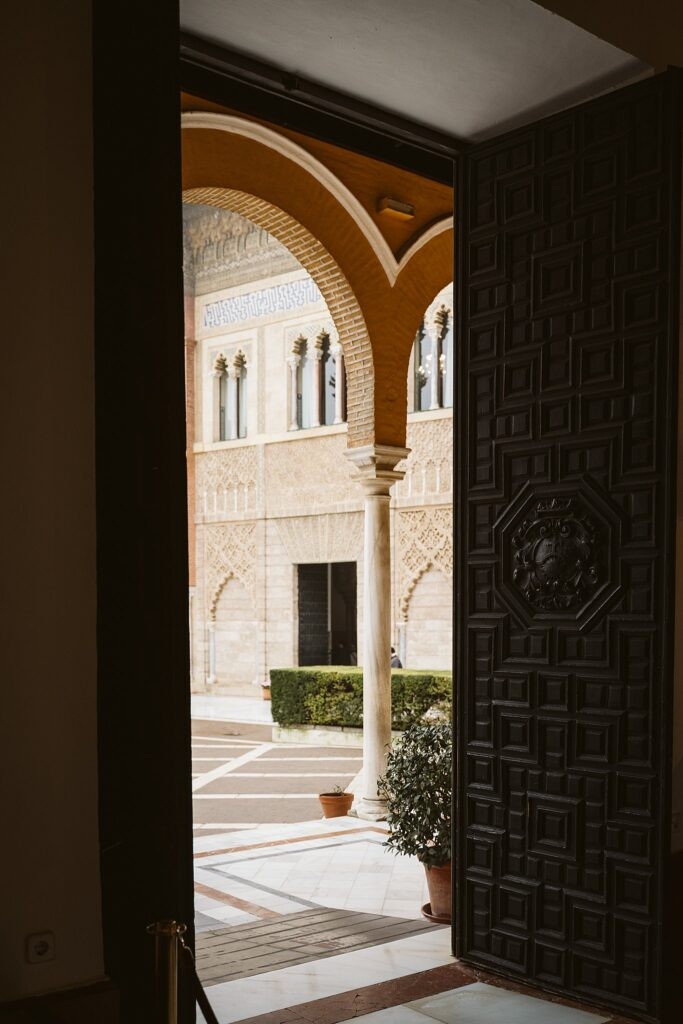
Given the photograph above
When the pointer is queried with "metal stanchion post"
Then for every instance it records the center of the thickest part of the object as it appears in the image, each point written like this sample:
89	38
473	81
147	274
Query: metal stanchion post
166	936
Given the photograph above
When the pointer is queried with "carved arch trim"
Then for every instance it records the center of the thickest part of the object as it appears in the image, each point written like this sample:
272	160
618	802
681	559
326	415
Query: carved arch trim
218	590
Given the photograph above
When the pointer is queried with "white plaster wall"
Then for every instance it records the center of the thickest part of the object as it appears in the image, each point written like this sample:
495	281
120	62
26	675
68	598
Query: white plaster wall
429	625
281	609
49	857
236	640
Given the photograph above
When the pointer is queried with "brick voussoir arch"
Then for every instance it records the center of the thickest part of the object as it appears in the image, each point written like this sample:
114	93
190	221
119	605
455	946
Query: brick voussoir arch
334	287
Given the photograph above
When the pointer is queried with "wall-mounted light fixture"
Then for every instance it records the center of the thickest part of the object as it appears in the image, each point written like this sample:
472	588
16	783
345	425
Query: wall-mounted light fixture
395	208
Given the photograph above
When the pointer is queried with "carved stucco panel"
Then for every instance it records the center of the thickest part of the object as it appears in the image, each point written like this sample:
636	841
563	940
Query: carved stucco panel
309	473
424	540
227	481
429	467
323	538
229	551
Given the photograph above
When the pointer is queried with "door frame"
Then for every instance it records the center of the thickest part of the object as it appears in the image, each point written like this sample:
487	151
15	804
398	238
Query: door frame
143	686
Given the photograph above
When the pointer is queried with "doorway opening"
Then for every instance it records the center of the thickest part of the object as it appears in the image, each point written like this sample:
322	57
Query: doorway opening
327	614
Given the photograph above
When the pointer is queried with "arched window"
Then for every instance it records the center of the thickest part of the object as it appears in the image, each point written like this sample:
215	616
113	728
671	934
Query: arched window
433	356
230	397
317	381
219	374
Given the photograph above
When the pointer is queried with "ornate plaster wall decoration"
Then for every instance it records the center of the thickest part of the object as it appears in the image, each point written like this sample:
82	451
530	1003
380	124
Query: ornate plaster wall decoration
279	298
556	556
296	336
424	540
322	538
222	249
309	472
229	550
429	467
227	481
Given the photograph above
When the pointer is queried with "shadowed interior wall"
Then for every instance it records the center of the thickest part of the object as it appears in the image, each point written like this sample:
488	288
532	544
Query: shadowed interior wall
48	719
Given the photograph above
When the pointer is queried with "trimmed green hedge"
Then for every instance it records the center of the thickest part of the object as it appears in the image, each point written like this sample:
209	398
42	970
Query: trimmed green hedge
328	695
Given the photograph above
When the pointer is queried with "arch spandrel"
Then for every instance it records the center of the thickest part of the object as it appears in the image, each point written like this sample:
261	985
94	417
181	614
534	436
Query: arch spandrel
376	300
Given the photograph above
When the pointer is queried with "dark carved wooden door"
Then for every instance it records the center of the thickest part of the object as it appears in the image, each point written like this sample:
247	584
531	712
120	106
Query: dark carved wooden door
568	264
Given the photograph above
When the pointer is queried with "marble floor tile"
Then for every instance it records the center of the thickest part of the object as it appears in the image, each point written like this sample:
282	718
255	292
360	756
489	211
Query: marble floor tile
275	990
392	1015
487	1004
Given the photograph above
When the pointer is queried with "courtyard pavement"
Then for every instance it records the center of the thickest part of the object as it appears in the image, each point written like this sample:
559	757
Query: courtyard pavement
267	866
261	844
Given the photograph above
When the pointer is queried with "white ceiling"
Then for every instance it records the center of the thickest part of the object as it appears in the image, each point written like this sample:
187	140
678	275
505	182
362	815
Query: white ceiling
467	67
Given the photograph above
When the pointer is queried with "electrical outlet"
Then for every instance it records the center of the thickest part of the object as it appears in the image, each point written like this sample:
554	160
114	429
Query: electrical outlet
40	947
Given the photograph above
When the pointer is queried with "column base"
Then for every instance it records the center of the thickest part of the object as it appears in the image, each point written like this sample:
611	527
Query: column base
370	810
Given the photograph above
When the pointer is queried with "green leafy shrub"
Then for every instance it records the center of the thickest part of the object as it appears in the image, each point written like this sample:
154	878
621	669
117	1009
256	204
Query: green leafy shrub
328	695
417	786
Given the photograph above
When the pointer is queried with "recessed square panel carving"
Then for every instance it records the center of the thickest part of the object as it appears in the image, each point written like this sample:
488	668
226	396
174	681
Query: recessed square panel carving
553	826
556	363
591	928
553	692
552	744
633	796
642	209
485	339
557	417
481	772
641	305
515	732
513	907
550	964
593	743
601	363
598	172
519	199
481	855
631	888
485	255
556	280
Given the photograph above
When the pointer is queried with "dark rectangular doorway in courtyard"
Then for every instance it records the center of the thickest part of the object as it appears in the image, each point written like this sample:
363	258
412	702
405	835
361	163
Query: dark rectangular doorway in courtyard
327	613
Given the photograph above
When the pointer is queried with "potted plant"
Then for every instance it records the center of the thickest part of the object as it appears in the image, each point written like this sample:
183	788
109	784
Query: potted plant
417	786
335	804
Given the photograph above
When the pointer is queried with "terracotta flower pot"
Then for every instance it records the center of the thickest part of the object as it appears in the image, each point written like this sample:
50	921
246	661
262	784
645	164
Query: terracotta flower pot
439	885
335	805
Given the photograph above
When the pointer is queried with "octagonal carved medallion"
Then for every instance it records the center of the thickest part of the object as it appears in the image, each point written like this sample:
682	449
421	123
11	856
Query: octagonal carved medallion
555	555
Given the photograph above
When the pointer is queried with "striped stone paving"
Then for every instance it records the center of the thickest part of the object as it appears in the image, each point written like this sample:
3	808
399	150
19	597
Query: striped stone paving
226	954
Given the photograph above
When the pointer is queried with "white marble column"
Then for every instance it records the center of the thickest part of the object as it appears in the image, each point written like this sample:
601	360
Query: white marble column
434	371
377	472
316	390
293	363
216	375
234	372
211	679
336	352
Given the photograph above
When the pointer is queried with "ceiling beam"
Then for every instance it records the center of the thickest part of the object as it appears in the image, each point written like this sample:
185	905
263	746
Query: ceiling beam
261	90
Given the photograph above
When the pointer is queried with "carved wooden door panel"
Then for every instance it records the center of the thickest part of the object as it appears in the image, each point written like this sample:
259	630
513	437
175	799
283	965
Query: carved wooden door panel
568	263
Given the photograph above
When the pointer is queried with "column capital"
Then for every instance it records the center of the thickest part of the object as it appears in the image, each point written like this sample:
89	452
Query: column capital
293	359
376	466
